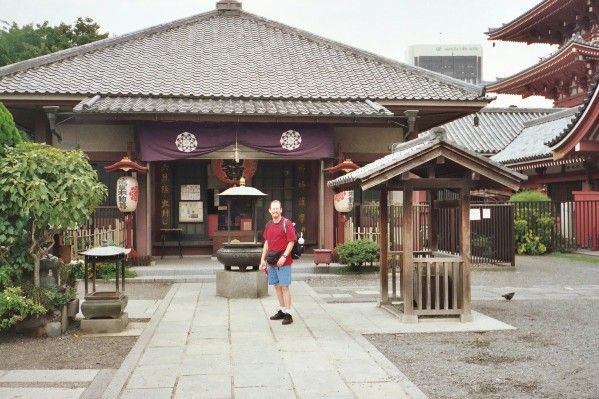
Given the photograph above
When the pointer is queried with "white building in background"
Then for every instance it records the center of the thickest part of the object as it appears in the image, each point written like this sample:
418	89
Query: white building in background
460	61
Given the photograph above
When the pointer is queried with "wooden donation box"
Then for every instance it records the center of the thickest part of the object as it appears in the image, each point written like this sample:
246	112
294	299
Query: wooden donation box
222	236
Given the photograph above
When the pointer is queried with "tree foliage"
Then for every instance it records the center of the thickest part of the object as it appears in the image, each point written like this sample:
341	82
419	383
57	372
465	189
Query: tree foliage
18	43
9	134
44	190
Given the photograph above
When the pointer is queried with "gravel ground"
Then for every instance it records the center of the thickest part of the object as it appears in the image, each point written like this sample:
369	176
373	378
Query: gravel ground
69	351
539	270
554	353
74	350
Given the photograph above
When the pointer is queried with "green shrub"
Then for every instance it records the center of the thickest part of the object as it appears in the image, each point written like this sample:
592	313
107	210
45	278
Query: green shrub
356	253
520	230
529	196
534	221
15	307
531	245
56	298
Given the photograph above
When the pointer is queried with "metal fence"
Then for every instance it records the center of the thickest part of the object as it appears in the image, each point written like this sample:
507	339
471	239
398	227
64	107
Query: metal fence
563	226
492	233
495	227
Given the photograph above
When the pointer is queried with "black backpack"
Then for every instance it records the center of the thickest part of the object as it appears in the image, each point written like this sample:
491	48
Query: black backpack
298	249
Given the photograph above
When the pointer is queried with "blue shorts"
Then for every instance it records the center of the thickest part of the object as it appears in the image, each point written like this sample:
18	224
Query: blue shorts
279	275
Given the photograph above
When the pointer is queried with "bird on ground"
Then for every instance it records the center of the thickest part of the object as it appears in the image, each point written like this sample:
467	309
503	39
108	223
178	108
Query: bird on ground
509	295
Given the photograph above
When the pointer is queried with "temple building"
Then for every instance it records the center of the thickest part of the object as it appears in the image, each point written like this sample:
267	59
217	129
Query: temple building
207	99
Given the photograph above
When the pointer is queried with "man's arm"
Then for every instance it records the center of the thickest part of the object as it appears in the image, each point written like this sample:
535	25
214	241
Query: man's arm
263	257
286	253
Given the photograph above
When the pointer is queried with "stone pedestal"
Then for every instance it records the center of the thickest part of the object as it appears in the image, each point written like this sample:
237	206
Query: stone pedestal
232	284
99	326
103	305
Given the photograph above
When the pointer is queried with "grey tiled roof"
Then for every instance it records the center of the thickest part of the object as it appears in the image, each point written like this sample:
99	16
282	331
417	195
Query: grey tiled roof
217	55
118	105
497	127
403	151
531	143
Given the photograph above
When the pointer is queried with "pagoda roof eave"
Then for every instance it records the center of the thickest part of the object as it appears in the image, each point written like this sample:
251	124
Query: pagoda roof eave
583	126
547	67
513	30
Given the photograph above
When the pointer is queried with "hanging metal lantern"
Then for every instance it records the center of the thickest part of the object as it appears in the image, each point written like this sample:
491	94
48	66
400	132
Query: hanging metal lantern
127	193
344	201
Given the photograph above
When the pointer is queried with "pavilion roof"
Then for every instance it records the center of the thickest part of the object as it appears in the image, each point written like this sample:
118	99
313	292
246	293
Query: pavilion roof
223	61
496	128
411	155
537	19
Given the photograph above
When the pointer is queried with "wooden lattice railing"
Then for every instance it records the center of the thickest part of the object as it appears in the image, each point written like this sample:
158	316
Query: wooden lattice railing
85	238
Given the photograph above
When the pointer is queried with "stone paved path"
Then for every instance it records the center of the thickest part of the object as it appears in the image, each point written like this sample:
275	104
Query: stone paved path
47	384
204	346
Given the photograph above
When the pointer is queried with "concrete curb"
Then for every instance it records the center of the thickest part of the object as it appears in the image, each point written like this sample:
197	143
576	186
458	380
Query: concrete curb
121	376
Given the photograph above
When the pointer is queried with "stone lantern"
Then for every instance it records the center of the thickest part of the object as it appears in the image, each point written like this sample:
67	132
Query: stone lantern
104	311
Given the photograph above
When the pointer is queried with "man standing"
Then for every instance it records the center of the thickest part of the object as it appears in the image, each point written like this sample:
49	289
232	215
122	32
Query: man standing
279	238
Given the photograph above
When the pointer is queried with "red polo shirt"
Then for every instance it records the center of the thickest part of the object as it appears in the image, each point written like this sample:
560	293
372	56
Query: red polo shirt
277	239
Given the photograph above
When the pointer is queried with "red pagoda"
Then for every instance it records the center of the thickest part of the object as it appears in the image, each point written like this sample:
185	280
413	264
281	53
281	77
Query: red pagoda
559	151
566	75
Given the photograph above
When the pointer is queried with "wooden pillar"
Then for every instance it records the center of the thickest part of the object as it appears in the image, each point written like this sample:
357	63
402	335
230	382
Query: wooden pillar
407	266
321	184
384	242
433	229
465	254
42	132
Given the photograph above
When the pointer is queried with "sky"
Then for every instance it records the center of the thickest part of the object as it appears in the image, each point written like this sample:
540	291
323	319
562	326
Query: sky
385	27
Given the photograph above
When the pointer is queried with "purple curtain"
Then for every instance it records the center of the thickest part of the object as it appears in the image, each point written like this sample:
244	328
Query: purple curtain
164	141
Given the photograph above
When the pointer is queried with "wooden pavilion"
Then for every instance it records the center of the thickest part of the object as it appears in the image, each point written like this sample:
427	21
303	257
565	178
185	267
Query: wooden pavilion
432	283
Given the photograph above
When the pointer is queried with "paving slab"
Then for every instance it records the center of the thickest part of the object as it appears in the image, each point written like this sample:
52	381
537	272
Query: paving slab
148	393
200	345
66	375
38	393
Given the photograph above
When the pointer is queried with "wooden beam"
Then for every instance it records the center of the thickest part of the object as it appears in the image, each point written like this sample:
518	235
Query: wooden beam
491	173
432	183
384	245
587	146
465	255
408	257
396	170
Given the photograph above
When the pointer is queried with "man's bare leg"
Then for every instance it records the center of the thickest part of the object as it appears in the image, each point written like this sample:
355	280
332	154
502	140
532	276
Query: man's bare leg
286	297
280	296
